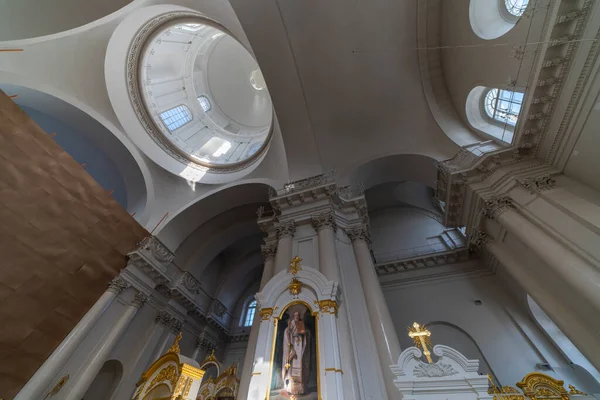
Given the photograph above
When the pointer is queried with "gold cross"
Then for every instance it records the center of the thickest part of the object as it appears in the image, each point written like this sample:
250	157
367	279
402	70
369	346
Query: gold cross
420	335
295	265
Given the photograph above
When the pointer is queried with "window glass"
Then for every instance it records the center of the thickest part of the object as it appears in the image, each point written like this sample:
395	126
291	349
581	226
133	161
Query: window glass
176	117
516	7
250	313
204	103
503	105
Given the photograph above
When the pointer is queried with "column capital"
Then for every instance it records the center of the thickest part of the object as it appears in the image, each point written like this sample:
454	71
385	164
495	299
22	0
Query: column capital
360	232
285	229
493	207
268	250
176	325
479	239
117	285
538	184
163	318
139	300
325	220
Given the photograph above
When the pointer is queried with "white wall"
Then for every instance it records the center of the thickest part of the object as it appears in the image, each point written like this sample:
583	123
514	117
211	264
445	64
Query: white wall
502	329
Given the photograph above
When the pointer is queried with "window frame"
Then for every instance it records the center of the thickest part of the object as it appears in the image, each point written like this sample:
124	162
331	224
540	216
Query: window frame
508	8
492	117
186	111
251	305
204	97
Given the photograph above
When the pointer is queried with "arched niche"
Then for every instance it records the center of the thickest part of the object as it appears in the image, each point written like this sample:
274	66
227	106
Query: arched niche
285	297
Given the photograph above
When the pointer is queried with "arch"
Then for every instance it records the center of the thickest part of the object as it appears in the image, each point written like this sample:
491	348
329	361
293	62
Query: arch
158	392
468	352
97	129
393	168
494	112
213	203
106	381
563	343
28	19
492	19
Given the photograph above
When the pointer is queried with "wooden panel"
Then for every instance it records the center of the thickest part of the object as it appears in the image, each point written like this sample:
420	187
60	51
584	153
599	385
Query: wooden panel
62	239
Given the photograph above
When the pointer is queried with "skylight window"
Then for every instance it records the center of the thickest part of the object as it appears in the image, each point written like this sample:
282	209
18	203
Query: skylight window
503	105
516	7
176	117
204	103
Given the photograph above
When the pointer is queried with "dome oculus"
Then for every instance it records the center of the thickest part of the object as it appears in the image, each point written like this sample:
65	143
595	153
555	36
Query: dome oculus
205	94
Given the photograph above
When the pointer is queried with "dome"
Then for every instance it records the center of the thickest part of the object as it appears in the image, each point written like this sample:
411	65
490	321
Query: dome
205	94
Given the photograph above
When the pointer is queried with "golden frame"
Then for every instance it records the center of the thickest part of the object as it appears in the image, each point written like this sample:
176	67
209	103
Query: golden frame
274	339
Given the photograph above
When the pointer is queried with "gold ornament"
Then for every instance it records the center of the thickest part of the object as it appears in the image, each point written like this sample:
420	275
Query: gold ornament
266	314
295	265
420	335
295	287
175	347
573	390
328	306
168	373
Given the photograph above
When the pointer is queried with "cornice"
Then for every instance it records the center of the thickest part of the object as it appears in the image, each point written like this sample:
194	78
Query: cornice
431	260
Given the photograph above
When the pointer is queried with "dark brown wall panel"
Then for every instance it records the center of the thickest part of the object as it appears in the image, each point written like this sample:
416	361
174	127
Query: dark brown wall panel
62	239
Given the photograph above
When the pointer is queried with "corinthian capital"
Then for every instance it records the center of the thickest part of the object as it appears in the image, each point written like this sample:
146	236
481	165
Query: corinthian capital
163	318
495	206
323	221
139	300
176	325
117	285
359	233
285	229
268	250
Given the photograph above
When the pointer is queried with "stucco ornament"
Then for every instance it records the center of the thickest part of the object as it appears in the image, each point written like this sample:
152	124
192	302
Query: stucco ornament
436	370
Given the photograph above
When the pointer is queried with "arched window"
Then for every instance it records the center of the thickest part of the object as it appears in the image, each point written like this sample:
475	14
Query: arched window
494	111
503	105
204	103
176	117
250	311
516	7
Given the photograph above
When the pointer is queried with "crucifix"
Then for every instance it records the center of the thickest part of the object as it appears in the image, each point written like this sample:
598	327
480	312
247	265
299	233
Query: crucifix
420	335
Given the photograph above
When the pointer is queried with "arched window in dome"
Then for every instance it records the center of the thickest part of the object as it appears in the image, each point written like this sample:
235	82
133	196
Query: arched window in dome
176	117
249	315
494	111
516	7
503	105
204	103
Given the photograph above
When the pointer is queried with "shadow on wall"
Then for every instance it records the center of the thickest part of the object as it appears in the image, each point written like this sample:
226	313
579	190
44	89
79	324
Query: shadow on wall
106	382
448	334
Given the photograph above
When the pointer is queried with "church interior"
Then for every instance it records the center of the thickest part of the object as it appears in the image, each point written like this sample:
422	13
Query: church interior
307	200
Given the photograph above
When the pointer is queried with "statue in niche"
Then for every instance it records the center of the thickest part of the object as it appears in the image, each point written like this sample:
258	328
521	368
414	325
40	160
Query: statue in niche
294	362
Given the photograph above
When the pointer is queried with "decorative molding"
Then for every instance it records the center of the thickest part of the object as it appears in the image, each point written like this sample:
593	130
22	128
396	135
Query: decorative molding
479	239
328	306
461	254
360	232
176	325
117	285
218	308
139	300
285	229
295	287
325	220
268	250
164	318
538	184
266	314
157	251
436	370
495	206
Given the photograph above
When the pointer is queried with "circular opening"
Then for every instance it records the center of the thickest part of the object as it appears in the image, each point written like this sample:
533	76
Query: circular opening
205	94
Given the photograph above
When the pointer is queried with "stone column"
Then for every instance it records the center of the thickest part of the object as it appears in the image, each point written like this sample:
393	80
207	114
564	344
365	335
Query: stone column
577	330
269	253
197	348
85	377
285	234
41	380
386	339
582	277
164	321
328	262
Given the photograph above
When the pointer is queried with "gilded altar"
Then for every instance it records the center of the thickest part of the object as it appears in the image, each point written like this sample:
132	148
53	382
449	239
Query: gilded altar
224	386
171	377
